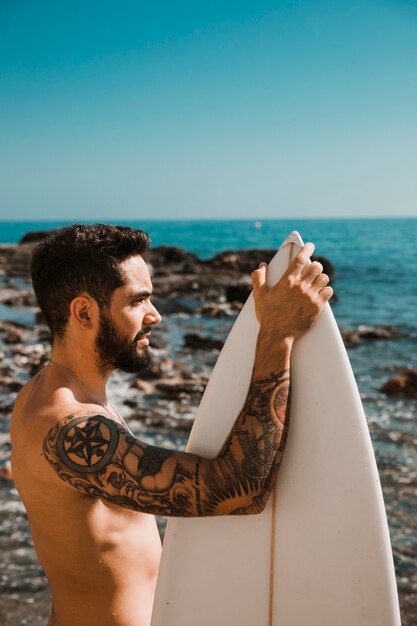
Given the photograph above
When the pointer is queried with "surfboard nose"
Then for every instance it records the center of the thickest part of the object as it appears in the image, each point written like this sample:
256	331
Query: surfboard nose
293	237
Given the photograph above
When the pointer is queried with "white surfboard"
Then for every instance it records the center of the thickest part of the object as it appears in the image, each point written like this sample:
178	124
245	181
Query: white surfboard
320	553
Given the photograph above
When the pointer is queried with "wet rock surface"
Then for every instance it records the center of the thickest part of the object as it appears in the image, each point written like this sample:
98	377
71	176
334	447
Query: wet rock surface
197	342
404	385
371	333
199	301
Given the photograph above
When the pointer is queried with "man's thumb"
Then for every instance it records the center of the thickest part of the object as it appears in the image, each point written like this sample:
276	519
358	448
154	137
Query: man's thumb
259	276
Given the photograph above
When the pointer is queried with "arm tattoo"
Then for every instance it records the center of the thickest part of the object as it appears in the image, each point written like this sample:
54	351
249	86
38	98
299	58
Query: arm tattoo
86	446
100	458
97	456
257	440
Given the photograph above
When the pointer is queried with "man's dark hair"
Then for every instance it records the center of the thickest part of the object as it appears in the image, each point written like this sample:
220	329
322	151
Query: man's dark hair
79	258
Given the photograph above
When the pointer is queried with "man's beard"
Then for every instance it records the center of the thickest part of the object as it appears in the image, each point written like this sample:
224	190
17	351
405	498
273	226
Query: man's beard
114	351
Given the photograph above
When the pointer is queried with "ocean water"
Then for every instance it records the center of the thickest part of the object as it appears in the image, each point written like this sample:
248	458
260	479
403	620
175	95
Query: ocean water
375	259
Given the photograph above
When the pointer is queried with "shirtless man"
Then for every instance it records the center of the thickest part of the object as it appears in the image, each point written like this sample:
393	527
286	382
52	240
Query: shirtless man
90	488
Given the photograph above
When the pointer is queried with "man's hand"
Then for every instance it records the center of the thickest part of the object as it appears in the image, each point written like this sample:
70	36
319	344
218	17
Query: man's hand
290	308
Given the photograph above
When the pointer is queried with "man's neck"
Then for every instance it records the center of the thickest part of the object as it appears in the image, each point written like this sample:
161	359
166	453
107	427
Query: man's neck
82	370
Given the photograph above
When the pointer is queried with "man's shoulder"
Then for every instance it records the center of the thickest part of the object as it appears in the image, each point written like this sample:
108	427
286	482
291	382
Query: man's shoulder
33	428
78	414
24	393
34	414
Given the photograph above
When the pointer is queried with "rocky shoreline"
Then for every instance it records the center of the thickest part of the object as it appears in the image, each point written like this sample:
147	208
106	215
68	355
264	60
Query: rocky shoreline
199	300
183	284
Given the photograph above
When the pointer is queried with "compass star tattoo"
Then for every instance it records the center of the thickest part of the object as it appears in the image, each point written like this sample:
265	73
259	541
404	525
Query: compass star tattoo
99	457
87	444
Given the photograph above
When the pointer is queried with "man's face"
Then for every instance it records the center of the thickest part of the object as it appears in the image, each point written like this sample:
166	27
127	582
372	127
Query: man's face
122	338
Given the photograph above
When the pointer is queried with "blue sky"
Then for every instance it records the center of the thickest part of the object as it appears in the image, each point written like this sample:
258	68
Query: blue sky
207	109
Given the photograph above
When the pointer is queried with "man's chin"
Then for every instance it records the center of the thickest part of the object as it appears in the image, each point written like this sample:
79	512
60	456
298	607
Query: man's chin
140	362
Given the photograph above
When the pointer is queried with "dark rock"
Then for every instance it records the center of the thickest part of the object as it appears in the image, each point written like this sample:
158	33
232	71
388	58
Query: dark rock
181	423
168	259
157	341
14	259
132	404
6	405
369	333
404	385
379	332
44	334
238	293
242	261
18	297
153	419
32	357
143	386
6	326
178	387
350	337
217	310
168	306
38	364
16	324
14	334
246	261
197	342
8	294
6	472
197	377
33	351
35	236
10	383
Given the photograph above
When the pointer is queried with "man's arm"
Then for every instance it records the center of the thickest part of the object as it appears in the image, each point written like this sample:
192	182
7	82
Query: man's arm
97	456
100	458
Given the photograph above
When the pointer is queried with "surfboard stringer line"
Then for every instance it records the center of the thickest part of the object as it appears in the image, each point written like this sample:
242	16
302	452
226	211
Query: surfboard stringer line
274	502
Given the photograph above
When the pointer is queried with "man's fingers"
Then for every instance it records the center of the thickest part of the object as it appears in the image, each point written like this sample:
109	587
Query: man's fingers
326	293
301	260
310	272
320	281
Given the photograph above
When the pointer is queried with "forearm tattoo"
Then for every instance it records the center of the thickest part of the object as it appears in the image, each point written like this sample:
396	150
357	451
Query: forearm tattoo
248	461
99	457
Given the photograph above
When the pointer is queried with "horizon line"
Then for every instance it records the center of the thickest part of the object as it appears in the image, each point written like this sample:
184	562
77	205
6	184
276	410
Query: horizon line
208	219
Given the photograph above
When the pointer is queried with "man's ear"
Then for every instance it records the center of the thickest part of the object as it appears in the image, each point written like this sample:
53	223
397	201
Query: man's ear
84	313
84	310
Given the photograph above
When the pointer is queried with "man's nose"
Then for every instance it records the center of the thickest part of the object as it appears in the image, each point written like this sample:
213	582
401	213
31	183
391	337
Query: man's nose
153	316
